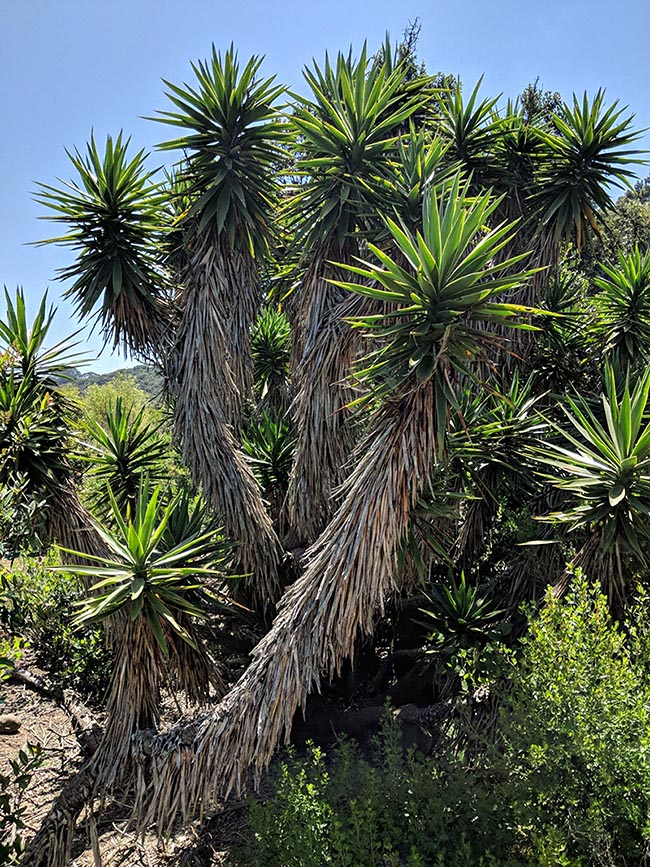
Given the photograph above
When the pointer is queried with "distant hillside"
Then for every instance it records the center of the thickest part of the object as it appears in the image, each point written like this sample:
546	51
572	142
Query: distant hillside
146	377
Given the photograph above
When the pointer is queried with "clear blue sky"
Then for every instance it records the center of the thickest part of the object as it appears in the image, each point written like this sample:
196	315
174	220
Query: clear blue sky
70	65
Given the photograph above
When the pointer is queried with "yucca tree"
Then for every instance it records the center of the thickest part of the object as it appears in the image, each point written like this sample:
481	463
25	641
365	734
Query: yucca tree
151	593
491	443
231	138
602	463
114	211
623	309
587	153
348	132
36	425
123	451
444	299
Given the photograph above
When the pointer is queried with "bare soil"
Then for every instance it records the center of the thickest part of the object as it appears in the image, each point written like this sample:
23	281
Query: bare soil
45	723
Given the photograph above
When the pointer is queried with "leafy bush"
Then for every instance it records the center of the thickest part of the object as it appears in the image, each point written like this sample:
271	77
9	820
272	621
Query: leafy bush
12	786
566	781
576	728
393	808
14	783
38	604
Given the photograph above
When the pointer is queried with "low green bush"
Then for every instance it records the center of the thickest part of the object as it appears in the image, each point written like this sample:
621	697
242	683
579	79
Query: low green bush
386	809
575	754
564	782
39	605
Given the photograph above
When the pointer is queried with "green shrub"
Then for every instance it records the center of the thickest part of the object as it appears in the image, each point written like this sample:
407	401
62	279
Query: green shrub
38	604
12	786
21	771
391	808
565	782
576	732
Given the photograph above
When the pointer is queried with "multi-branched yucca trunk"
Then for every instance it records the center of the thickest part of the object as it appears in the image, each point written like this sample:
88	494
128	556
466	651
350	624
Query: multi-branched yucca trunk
205	390
325	436
445	296
350	572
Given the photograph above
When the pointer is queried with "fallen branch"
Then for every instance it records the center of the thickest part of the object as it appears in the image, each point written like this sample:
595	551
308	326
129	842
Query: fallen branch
86	729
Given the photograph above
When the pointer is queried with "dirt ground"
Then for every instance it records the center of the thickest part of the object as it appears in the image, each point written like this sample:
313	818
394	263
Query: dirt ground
45	723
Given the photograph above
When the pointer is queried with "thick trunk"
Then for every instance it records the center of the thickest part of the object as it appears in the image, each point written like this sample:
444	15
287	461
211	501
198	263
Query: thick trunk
350	572
52	845
71	525
208	410
324	420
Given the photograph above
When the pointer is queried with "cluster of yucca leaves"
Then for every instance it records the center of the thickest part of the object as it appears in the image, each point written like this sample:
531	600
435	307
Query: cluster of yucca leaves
332	287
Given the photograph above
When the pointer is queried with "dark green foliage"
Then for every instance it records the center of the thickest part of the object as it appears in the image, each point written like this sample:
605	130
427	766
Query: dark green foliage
269	444
353	811
538	104
460	618
23	528
12	786
38	604
271	350
35	425
145	376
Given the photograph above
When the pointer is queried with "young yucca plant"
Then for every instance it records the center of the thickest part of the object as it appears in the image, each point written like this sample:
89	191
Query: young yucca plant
36	422
114	212
271	351
490	444
152	594
269	442
125	449
623	308
444	302
459	618
602	463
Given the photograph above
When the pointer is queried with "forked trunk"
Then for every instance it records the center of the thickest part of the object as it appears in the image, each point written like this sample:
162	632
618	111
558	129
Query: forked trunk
351	570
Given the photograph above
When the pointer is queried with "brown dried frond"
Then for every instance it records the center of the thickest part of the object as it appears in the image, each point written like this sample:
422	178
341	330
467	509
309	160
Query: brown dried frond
351	570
